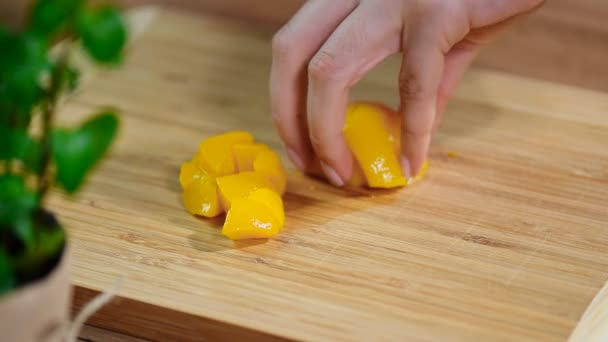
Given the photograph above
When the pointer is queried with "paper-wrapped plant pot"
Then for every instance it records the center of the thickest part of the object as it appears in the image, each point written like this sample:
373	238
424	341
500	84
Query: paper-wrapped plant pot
39	311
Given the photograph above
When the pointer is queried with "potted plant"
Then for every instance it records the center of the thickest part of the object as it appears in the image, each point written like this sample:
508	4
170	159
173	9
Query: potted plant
36	68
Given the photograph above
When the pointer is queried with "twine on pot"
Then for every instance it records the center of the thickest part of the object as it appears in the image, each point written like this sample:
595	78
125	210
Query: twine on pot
73	329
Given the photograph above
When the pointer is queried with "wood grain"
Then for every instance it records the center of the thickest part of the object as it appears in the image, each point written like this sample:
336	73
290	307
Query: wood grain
505	241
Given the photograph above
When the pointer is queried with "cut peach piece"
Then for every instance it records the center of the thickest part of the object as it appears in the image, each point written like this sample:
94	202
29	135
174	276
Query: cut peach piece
250	218
392	121
370	135
200	197
240	185
273	201
245	154
269	163
188	173
215	153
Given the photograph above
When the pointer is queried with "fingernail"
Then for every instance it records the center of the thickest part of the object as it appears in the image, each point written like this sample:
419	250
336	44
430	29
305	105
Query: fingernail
295	159
407	172
405	167
332	175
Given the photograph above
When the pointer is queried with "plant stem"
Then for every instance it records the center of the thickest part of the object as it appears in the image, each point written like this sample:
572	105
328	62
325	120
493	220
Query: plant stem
48	113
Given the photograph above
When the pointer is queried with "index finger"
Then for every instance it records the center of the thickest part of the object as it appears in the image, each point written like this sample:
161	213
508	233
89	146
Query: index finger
362	40
293	46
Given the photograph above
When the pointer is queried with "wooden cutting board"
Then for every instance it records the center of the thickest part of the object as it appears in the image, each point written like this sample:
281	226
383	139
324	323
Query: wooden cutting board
505	240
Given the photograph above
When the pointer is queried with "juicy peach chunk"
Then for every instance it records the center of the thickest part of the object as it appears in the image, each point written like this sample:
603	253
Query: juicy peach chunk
256	216
240	185
372	134
269	163
200	197
245	154
215	153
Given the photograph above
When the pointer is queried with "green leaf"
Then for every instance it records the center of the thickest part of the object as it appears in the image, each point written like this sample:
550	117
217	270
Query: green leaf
48	16
103	33
18	145
76	151
7	276
23	61
16	201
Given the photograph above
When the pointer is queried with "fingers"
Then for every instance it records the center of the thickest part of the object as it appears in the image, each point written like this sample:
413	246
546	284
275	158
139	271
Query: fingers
419	80
359	43
456	62
293	46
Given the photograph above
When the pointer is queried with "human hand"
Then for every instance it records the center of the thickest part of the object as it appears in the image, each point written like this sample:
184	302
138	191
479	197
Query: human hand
329	45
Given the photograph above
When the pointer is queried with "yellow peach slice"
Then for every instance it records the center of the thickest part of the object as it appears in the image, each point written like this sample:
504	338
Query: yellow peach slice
245	154
188	173
215	153
250	219
269	163
373	139
240	185
272	201
200	197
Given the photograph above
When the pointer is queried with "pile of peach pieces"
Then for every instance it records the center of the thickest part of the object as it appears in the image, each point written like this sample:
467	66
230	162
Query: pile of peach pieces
233	174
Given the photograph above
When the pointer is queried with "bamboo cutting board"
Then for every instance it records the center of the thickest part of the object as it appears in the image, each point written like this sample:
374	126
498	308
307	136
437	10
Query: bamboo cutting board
505	240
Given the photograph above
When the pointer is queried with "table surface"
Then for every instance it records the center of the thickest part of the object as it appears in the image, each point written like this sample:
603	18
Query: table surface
504	240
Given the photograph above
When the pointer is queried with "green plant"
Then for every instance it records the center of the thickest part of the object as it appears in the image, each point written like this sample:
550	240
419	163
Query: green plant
33	153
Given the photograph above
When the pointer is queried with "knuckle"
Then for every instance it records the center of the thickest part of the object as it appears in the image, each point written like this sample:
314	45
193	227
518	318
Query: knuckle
277	119
316	134
283	127
323	66
411	134
432	6
315	141
282	43
410	87
324	143
318	141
